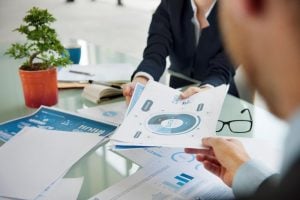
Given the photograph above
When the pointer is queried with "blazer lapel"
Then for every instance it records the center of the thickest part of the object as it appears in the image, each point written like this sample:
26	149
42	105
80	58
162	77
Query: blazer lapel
189	36
208	34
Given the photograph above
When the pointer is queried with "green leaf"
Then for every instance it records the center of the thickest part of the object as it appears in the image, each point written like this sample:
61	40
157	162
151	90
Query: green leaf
42	44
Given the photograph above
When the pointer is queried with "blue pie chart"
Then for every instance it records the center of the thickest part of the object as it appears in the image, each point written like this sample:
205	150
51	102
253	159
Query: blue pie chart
172	124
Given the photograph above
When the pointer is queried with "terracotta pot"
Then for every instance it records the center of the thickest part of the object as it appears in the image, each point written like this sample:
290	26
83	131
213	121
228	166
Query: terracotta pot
39	87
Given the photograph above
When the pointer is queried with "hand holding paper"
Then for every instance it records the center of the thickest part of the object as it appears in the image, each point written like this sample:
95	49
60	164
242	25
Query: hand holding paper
161	118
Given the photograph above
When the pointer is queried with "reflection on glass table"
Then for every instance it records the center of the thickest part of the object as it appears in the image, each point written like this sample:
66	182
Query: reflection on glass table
101	168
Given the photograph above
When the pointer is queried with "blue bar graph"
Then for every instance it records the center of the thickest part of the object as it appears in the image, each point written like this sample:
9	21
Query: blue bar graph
180	184
171	185
187	176
182	179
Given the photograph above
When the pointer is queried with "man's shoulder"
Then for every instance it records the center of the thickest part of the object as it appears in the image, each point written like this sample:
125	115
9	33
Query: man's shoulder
277	187
175	5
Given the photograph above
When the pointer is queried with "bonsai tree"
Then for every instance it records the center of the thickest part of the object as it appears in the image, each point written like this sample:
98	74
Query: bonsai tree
42	49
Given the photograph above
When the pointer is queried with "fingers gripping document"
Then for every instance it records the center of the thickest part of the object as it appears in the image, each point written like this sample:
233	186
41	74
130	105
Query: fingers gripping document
161	118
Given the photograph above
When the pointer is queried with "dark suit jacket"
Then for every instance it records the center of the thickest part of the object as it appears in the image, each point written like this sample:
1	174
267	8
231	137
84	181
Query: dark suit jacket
287	188
172	33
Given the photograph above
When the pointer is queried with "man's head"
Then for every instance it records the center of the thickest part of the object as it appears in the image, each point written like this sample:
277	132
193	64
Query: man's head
264	36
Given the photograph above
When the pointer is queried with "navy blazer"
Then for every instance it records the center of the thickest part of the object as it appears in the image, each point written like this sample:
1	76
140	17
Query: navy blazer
172	34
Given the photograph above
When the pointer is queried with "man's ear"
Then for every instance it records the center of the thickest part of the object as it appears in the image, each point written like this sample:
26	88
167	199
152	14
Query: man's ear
254	7
242	9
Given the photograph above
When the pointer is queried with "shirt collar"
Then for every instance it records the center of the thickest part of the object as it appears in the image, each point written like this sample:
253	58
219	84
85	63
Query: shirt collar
194	7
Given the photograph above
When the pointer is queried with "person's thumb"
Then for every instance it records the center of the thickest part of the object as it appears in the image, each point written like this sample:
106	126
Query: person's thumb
189	92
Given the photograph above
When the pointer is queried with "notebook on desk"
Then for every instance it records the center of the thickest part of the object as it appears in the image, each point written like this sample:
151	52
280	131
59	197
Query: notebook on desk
116	72
70	85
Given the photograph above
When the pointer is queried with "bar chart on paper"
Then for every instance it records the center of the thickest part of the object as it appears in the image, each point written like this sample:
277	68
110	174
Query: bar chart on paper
179	181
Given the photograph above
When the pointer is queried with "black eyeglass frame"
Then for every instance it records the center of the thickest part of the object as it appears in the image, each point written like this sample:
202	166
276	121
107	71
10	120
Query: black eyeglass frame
228	123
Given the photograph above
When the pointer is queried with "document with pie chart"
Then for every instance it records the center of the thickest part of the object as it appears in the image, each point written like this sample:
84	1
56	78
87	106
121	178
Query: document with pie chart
161	118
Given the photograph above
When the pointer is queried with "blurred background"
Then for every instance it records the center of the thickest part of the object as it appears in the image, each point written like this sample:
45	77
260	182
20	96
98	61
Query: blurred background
103	22
122	28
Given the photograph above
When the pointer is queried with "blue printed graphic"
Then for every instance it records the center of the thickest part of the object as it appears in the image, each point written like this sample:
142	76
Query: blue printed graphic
172	124
183	157
180	181
50	119
139	88
199	167
110	114
183	179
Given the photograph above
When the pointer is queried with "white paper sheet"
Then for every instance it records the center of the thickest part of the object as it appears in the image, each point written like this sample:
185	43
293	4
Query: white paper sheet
167	182
263	151
161	118
67	188
100	72
171	156
36	158
111	113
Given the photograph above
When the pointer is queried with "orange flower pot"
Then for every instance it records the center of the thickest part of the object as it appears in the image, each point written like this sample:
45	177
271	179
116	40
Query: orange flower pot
39	87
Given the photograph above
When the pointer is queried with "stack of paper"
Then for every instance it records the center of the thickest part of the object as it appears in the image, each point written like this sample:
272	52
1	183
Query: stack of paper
35	158
161	118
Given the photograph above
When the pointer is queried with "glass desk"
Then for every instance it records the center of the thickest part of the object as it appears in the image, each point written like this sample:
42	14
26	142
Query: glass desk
100	168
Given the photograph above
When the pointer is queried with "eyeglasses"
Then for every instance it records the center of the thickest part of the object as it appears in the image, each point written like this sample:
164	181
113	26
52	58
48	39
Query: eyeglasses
237	126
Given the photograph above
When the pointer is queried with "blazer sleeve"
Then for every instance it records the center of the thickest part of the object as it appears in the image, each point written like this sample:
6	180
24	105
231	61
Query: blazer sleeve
267	190
279	187
220	70
158	43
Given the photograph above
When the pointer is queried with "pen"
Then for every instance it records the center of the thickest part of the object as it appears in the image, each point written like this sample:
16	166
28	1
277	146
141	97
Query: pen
105	84
80	72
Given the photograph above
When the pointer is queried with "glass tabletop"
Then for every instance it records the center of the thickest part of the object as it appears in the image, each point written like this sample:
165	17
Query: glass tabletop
101	167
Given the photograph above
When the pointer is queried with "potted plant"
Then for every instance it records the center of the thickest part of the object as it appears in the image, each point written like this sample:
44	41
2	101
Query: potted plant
42	53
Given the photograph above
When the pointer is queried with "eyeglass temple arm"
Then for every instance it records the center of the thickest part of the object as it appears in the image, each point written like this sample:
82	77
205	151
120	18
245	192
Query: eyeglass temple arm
246	109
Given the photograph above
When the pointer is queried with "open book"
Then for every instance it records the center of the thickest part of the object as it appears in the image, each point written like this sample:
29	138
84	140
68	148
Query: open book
96	92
